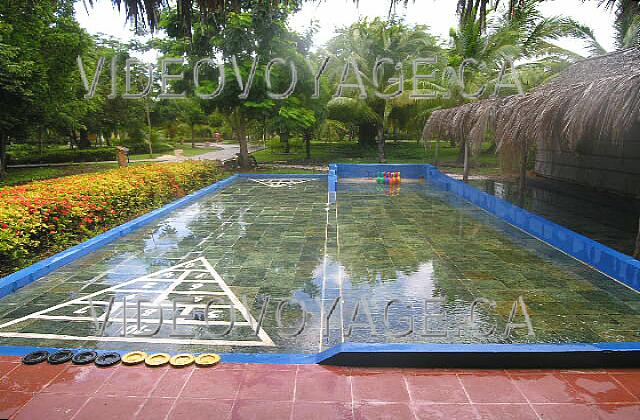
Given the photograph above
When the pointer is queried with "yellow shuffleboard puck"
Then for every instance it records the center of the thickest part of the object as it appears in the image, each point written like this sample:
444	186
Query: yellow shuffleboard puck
207	359
134	358
181	360
158	359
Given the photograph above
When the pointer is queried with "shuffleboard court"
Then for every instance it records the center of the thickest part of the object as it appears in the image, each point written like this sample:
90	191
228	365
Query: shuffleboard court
272	265
186	296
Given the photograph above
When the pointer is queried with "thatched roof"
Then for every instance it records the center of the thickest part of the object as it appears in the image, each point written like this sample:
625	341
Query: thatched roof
597	99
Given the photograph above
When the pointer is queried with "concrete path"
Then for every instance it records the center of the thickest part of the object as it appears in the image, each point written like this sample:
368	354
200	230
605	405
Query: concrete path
227	151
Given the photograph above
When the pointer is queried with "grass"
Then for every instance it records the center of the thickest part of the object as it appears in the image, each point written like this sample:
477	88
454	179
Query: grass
187	150
17	176
322	153
279	171
396	152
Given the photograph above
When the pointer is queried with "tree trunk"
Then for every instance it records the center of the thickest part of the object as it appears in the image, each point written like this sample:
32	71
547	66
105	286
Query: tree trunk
74	139
462	153
636	253
284	139
523	178
3	155
465	174
381	157
148	112
85	143
307	144
193	139
41	141
367	134
264	131
244	148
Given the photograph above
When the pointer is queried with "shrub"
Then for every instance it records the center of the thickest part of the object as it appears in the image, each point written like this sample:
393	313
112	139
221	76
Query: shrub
142	148
48	216
99	154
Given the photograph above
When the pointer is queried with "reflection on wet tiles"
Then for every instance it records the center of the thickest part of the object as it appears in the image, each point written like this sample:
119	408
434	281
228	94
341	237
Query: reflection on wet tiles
419	266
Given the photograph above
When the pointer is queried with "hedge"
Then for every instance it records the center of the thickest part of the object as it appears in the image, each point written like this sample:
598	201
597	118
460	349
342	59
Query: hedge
99	154
45	217
142	148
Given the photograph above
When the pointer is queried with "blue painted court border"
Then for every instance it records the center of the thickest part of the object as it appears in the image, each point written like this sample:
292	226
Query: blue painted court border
619	266
432	355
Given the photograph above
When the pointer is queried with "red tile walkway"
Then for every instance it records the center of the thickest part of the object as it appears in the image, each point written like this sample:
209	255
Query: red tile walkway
237	391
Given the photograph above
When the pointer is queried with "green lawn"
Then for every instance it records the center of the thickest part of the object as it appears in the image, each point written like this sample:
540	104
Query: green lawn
187	150
322	153
17	176
396	152
281	171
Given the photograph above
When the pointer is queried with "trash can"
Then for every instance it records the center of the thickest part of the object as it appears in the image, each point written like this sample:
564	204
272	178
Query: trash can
123	156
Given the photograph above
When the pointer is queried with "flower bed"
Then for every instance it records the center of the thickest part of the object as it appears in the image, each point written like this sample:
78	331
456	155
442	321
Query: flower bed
48	216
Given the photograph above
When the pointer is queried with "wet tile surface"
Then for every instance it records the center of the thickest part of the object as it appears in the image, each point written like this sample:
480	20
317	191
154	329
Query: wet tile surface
412	264
273	392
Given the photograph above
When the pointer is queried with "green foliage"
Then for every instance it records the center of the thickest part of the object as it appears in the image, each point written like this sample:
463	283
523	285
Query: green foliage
57	155
42	94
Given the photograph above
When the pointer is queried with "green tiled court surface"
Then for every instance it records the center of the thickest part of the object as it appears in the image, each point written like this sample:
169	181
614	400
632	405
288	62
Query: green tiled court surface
413	264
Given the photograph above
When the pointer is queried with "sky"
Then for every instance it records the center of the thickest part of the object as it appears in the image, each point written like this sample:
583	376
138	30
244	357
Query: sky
439	15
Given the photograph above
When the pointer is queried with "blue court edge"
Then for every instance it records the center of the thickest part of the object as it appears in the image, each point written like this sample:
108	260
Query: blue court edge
620	267
382	349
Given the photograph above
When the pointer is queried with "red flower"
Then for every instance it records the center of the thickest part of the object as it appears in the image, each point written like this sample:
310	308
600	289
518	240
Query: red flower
5	226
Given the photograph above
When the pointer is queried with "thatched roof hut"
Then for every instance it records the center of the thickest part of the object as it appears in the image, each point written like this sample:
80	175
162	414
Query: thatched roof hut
587	117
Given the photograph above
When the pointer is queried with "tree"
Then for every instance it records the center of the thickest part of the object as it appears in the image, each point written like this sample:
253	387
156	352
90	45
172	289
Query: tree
244	36
191	113
484	48
627	21
39	87
359	49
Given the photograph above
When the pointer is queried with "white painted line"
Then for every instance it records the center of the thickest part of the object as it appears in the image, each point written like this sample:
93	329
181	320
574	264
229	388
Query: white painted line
179	304
197	293
161	299
238	305
179	321
187	341
281	182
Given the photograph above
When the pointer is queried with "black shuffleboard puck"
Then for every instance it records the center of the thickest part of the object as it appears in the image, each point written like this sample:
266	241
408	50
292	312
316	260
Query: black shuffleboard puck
84	358
107	359
35	357
60	357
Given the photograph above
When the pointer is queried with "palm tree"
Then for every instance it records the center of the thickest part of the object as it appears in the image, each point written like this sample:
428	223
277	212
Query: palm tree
515	33
627	21
146	13
364	43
